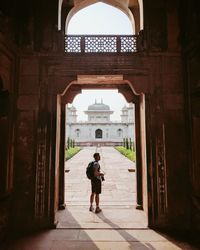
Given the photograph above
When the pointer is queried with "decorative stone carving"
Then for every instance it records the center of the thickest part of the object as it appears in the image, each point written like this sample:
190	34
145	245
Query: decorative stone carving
161	171
40	174
100	44
41	156
73	44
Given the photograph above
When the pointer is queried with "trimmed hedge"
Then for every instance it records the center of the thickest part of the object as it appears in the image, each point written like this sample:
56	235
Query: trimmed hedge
69	153
127	153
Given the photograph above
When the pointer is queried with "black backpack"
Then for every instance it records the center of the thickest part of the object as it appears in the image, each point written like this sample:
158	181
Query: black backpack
90	170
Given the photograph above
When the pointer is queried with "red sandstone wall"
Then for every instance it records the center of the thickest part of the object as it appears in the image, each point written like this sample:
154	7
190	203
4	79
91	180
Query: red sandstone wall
7	108
157	76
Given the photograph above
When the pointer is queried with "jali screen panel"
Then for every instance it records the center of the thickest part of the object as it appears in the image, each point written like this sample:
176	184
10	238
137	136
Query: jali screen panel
100	44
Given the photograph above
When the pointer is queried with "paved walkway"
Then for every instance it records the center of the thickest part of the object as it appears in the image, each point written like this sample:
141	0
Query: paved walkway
119	187
118	198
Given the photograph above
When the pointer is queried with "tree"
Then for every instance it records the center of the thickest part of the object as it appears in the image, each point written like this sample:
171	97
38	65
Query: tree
68	143
124	142
133	146
73	143
127	146
130	144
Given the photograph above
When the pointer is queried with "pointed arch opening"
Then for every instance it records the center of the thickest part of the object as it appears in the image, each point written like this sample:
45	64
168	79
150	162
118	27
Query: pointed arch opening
100	18
133	9
99	134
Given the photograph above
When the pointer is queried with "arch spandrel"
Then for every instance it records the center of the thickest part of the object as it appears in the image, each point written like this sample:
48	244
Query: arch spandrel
124	87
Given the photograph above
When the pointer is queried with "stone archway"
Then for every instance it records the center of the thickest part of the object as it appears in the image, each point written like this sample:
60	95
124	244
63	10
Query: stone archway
129	93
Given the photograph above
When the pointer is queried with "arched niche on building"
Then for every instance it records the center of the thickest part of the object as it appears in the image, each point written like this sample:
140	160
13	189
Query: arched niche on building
98	134
77	132
120	133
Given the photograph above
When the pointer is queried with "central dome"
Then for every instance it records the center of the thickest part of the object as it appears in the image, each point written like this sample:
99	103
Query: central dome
98	106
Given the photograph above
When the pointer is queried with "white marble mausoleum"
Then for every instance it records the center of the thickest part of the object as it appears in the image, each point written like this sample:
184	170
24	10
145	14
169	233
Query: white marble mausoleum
99	129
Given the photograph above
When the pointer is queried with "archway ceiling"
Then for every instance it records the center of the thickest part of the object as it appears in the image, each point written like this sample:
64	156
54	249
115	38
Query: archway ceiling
127	3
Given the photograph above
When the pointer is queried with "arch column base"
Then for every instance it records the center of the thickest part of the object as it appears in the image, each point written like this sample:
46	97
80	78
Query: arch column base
62	206
139	207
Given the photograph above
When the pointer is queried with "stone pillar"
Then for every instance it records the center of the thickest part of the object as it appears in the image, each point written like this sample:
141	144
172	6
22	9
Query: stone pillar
138	156
25	144
62	160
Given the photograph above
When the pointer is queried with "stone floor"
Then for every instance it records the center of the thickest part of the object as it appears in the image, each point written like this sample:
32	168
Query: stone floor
120	226
93	239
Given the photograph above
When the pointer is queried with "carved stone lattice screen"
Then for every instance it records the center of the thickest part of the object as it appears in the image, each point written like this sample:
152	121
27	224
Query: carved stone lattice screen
73	44
128	44
100	44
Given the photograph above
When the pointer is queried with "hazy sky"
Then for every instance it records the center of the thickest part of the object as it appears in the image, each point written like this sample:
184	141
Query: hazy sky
115	100
100	18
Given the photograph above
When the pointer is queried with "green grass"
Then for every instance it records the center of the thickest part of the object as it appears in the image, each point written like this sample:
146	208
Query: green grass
69	153
127	152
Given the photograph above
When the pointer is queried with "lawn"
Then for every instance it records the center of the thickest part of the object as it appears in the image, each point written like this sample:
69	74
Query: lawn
130	154
69	153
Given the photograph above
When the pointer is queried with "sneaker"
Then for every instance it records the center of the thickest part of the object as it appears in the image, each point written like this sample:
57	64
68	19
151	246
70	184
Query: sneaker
91	208
98	210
